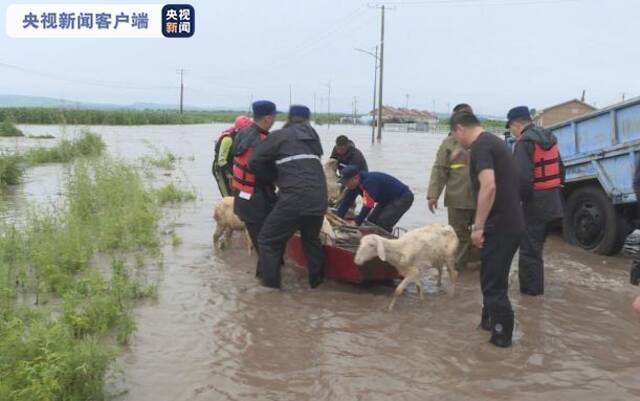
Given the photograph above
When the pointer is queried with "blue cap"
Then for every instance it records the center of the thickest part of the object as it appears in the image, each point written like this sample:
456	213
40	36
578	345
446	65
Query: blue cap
263	108
348	172
517	112
298	110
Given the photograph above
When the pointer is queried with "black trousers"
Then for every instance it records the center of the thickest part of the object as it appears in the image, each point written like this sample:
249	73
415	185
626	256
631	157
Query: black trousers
531	264
278	228
497	255
387	215
634	276
254	231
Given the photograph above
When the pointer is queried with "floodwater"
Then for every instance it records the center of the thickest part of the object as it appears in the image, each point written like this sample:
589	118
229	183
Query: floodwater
215	334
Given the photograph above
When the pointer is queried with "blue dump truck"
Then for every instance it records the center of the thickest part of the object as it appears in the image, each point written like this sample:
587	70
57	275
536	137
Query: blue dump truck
601	151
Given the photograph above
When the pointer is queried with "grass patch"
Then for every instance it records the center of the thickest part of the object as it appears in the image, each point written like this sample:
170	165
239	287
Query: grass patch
62	350
13	165
46	136
165	160
8	129
12	168
170	193
87	144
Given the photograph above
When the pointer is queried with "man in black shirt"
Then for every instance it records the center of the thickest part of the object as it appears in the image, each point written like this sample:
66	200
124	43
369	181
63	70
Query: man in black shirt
346	153
498	224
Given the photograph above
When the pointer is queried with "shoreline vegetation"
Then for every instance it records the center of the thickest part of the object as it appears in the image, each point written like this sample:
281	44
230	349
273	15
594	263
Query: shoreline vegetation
71	274
13	165
55	116
8	129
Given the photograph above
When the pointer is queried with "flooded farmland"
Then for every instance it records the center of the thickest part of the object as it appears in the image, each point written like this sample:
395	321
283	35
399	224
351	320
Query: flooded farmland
214	334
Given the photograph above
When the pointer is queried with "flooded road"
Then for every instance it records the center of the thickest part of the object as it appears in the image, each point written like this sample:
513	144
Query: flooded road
215	334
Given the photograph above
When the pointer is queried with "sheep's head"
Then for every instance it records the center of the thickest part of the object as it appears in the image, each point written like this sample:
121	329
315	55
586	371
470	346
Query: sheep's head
331	165
370	247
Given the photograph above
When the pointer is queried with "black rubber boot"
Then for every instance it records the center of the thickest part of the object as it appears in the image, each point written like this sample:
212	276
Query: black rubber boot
502	329
485	323
634	278
315	281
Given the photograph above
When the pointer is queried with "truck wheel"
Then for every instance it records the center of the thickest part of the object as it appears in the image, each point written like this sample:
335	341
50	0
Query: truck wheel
592	222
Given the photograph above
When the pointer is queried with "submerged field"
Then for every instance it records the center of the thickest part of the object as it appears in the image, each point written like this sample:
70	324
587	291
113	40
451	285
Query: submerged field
205	330
70	273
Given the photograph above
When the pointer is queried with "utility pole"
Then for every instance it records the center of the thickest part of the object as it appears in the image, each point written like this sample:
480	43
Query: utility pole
290	95
251	104
375	88
407	102
380	103
355	109
181	71
314	106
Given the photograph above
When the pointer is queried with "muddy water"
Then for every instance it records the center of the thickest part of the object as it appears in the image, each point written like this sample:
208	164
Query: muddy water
214	334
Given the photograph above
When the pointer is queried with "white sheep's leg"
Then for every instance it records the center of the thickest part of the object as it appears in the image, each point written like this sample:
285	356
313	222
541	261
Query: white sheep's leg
409	278
223	236
227	237
248	239
217	234
420	291
439	275
453	274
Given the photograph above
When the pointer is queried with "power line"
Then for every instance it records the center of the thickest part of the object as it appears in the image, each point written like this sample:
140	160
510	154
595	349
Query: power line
107	84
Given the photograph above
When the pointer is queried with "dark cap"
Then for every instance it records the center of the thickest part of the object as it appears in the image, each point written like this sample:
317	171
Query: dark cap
263	108
348	172
342	140
298	110
518	112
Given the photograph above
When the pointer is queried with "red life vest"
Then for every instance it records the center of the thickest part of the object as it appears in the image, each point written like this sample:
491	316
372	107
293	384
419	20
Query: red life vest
244	180
367	199
546	168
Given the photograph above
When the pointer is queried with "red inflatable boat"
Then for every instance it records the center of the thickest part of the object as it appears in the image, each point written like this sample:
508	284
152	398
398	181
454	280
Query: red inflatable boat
339	264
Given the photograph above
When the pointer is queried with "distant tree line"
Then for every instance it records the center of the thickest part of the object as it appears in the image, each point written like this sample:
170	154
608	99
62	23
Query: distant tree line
53	116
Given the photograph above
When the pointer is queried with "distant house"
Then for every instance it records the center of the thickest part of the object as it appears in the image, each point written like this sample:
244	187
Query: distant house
562	112
403	119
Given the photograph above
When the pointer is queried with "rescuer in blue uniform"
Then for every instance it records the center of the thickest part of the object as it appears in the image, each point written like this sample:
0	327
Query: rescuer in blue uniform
385	198
541	174
294	152
254	196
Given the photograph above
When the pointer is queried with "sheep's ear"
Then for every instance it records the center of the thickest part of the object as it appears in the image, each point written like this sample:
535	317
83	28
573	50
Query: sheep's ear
381	252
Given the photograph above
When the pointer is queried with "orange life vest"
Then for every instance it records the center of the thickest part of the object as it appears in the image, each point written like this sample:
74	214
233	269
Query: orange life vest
546	168
244	181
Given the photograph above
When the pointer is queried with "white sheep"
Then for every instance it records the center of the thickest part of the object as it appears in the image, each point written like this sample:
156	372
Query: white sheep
327	235
333	187
226	223
431	246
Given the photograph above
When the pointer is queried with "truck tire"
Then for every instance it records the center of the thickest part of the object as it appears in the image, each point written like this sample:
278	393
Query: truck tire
592	222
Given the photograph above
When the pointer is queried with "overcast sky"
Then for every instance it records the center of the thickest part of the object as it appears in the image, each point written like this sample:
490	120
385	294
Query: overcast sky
493	54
